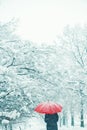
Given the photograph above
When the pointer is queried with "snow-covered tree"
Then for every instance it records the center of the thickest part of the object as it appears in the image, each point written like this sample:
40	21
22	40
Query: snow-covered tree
74	41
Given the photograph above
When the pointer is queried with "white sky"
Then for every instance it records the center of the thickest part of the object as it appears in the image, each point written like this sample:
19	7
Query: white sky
43	20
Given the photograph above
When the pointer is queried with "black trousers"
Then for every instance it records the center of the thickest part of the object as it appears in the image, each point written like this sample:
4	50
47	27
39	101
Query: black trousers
52	126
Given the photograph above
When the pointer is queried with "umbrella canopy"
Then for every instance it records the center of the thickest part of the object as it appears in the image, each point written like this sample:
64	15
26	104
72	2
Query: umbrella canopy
48	108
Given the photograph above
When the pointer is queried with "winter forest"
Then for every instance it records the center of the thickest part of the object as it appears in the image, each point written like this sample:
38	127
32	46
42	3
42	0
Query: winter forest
31	73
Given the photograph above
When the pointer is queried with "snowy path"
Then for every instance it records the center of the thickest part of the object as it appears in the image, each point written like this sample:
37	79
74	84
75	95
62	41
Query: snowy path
38	124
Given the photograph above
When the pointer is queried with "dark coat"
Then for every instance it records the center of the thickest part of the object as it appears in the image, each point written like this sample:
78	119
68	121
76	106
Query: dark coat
51	120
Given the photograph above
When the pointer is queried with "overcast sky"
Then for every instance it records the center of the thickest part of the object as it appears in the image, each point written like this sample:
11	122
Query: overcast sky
43	20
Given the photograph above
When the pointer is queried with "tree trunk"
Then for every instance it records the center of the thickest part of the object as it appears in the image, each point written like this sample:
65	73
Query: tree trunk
72	119
82	114
10	126
64	119
60	123
82	118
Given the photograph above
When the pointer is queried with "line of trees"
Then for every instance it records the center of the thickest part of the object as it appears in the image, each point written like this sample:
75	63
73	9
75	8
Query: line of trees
31	74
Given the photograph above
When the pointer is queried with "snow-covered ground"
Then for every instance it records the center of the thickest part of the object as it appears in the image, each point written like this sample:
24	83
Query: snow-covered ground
39	124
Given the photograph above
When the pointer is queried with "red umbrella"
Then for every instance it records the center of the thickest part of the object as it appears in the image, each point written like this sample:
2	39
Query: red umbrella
48	108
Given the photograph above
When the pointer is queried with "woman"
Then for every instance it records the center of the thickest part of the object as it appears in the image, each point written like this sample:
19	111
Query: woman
51	120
